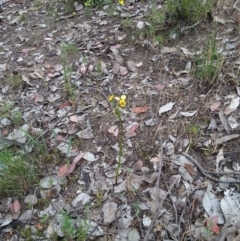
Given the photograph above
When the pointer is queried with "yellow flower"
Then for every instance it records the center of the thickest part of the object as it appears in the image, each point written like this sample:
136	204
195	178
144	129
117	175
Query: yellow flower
123	97
121	2
74	13
111	97
117	98
122	103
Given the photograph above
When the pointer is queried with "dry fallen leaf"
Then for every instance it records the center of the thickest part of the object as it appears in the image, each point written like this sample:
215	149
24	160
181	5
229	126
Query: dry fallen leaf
109	210
123	70
212	224
113	130
131	65
74	118
137	165
15	207
215	105
166	108
139	110
156	158
65	104
159	87
233	105
119	58
116	68
63	170
67	169
132	127
190	168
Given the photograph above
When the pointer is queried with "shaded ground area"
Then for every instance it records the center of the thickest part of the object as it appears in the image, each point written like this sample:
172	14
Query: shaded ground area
58	67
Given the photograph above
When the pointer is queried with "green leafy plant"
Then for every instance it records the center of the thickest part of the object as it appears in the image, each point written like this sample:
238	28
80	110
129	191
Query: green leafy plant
136	208
15	80
16	117
74	229
22	18
69	49
44	219
5	108
38	4
193	130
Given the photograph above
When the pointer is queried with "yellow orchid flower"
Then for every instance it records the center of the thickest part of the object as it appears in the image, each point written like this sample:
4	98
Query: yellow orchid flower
122	103
111	97
121	2
123	97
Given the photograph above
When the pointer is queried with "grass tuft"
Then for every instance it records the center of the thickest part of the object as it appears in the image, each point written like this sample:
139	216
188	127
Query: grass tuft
17	173
190	11
208	65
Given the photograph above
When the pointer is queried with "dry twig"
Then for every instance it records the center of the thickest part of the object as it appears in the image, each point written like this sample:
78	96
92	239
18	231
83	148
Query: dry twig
206	173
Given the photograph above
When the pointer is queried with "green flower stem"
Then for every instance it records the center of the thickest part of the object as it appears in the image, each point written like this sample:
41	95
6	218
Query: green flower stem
120	141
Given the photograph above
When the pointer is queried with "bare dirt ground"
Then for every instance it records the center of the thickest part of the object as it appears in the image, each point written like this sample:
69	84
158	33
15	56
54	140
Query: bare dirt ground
57	69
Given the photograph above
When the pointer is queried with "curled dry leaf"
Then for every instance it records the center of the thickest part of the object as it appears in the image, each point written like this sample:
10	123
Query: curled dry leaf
132	127
139	64
215	105
166	107
68	169
26	79
188	114
90	68
83	69
139	110
63	170
113	130
212	224
15	207
233	106
223	139
156	159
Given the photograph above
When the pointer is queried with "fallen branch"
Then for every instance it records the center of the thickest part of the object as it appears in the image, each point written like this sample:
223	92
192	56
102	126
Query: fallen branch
206	173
